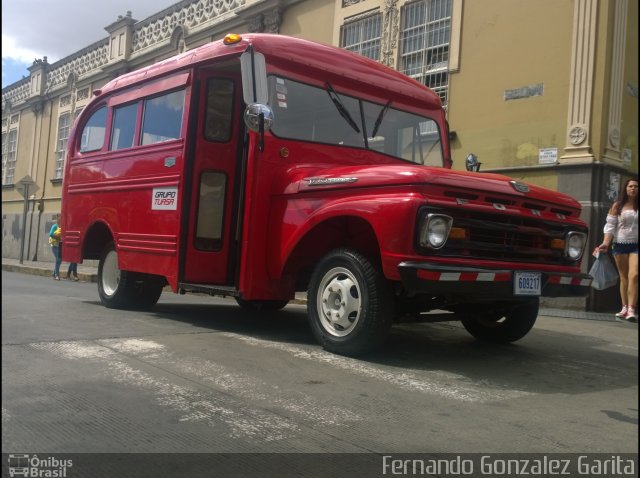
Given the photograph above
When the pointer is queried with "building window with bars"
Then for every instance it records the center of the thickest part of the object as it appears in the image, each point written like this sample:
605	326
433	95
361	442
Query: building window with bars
424	44
64	125
363	36
9	147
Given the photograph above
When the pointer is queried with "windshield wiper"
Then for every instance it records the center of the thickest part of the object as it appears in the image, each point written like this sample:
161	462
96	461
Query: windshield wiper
379	119
341	108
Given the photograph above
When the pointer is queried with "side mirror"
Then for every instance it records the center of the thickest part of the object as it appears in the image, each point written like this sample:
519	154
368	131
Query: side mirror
254	77
254	114
257	117
472	163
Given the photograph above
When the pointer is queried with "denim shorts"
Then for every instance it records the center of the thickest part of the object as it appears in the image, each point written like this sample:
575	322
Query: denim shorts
630	248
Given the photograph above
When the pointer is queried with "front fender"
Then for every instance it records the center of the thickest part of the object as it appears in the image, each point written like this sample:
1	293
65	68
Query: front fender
294	218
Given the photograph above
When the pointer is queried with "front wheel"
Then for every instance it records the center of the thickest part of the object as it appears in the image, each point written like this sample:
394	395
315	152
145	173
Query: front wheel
124	289
503	324
350	303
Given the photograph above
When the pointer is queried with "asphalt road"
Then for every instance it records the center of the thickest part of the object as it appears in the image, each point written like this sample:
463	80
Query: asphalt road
199	375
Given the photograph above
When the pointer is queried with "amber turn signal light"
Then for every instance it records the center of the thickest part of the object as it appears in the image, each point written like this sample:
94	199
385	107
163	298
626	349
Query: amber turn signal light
231	38
458	233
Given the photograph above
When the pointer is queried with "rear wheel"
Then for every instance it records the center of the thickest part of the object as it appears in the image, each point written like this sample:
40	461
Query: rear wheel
261	305
350	303
503	324
124	289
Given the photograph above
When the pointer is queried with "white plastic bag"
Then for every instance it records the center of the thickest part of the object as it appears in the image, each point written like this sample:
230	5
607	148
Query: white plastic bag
604	272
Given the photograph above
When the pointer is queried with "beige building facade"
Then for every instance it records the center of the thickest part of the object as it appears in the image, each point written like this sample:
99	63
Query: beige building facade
544	91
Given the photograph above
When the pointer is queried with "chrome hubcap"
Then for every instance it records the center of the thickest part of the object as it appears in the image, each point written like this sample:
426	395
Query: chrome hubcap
339	302
110	274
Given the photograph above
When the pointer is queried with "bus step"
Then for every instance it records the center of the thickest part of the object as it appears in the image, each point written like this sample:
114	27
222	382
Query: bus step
208	289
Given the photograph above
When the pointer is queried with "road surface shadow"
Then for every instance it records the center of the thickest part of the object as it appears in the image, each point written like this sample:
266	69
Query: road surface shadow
545	361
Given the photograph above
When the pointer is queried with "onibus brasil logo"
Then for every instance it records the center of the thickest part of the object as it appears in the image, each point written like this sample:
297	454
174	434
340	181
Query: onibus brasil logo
33	466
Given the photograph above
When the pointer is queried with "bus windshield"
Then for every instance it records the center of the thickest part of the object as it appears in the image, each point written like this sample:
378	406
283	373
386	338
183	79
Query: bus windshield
308	113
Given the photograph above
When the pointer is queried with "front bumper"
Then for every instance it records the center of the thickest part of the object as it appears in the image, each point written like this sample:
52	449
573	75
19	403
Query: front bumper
481	283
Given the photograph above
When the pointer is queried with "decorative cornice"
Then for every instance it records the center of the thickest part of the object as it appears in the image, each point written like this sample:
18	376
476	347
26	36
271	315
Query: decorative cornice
194	15
80	65
121	22
255	24
273	20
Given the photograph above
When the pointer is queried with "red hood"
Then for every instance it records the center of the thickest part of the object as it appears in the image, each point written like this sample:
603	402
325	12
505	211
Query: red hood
298	180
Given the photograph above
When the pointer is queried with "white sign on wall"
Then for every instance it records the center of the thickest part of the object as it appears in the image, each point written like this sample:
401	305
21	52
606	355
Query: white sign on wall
547	155
164	198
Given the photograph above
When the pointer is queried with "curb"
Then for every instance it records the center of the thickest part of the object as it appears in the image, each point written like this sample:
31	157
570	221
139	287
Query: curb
93	277
41	271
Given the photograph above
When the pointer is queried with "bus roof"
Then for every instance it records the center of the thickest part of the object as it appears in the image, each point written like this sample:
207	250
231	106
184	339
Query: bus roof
317	58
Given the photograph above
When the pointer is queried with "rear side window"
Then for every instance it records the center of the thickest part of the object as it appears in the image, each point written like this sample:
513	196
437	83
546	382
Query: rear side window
162	120
124	126
94	131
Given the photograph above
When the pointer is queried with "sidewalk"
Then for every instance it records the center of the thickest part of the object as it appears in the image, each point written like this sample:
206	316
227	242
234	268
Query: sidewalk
89	273
86	273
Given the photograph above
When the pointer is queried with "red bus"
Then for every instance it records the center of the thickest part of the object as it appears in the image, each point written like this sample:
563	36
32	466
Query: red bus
262	165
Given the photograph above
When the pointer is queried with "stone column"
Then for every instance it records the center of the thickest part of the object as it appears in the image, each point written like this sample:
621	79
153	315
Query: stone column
578	139
612	147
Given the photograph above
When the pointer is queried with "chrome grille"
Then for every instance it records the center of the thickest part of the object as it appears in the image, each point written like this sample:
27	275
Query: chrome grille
505	237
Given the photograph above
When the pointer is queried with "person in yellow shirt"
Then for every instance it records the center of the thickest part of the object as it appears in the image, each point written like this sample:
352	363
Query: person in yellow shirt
55	239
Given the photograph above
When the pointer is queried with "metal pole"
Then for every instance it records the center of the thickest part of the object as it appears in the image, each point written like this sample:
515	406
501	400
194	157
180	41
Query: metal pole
24	221
33	206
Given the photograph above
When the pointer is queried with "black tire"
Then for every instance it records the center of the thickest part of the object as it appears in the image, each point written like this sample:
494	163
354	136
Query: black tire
347	284
146	290
124	289
262	305
508	323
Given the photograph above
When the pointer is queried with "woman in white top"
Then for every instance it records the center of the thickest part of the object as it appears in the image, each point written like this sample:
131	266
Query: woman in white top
621	230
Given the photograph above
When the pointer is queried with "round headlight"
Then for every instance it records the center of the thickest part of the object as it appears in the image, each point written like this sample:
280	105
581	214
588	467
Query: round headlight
438	227
575	245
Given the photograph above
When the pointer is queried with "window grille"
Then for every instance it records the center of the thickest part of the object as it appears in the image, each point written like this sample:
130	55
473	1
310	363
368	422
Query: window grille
4	153
9	146
363	36
424	44
64	125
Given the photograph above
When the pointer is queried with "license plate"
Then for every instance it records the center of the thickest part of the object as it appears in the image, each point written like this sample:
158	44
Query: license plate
527	283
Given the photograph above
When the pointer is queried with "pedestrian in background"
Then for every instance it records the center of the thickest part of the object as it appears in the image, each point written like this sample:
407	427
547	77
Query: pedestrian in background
621	232
55	240
72	271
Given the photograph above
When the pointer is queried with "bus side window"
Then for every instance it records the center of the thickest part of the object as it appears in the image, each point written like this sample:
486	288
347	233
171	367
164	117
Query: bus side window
219	109
162	118
94	130
124	126
210	211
